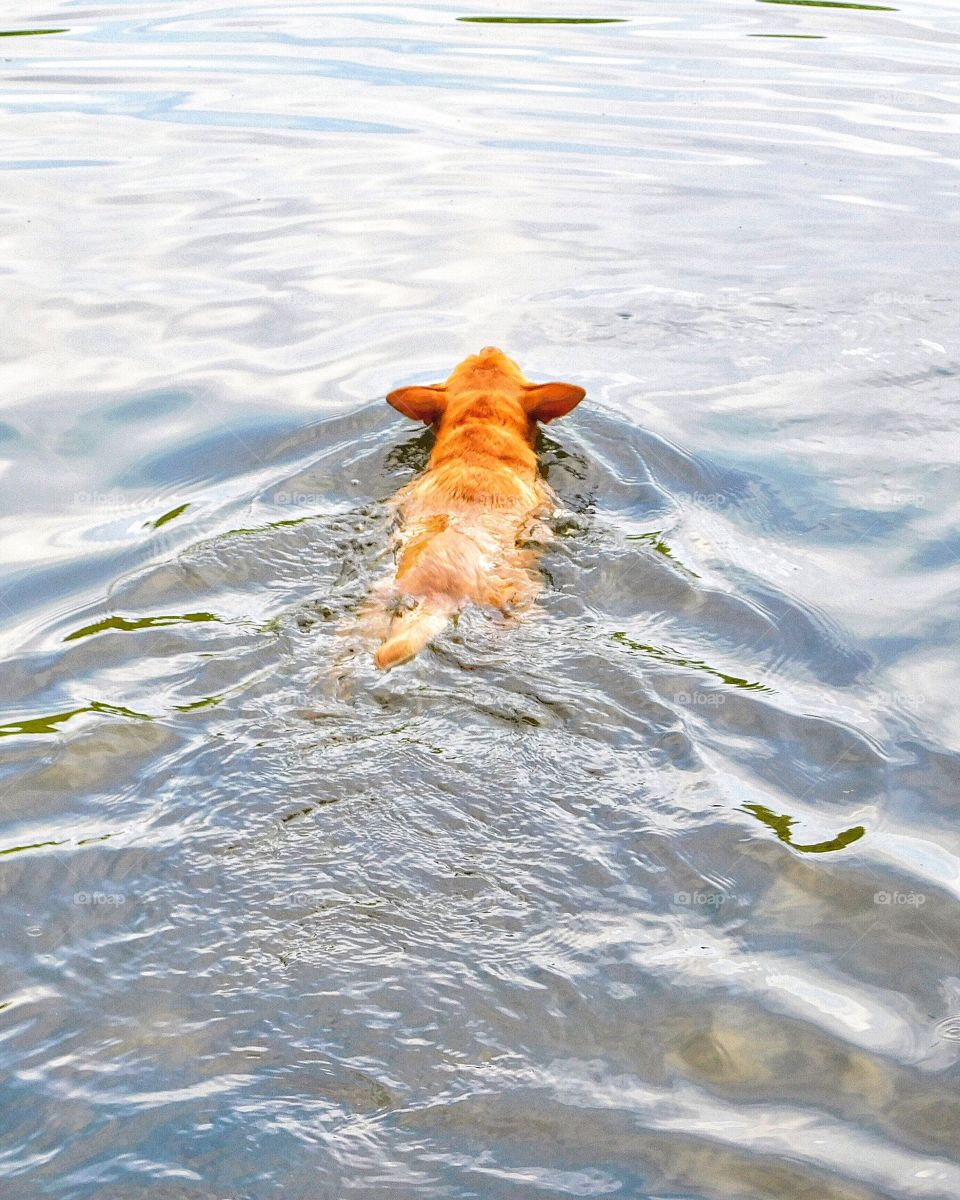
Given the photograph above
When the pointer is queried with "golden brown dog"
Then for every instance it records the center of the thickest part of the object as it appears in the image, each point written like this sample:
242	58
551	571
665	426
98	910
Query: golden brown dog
463	522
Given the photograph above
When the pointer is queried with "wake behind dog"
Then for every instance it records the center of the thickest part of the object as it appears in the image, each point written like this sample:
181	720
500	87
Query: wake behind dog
463	522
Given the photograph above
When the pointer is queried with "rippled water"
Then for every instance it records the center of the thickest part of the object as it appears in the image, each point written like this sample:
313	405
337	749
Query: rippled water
654	895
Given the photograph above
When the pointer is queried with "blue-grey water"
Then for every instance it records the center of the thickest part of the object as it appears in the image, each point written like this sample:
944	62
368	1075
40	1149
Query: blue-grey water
654	894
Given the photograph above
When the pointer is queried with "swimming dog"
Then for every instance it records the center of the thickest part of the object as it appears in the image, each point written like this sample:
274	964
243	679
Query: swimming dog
463	522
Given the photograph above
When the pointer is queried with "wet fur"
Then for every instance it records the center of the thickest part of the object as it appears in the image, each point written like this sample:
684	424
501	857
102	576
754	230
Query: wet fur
462	524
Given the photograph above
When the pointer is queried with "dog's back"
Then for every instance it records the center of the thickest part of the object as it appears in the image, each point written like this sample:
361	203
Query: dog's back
462	520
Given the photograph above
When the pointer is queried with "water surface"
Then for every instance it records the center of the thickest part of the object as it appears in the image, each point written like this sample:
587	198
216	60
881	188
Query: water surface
654	895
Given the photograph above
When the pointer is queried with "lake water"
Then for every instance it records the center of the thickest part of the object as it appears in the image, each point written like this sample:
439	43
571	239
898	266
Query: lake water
653	895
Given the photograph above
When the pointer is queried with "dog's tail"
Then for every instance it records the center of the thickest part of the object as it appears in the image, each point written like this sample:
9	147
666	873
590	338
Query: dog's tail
412	629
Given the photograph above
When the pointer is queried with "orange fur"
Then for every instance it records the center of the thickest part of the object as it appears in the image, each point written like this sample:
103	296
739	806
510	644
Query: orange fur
462	522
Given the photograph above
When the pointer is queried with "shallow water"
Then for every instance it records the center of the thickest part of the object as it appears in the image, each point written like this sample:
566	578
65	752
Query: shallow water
654	895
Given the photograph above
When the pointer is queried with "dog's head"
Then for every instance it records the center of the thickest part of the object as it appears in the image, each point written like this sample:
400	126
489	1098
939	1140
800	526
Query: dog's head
485	381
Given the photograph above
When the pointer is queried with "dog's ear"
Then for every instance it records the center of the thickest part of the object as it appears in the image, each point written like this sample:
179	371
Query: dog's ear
547	401
424	404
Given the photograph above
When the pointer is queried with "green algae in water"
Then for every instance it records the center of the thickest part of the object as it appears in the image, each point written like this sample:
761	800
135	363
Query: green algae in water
196	705
544	20
49	723
29	32
832	4
245	531
168	516
88	841
126	624
675	660
32	846
655	540
783	824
